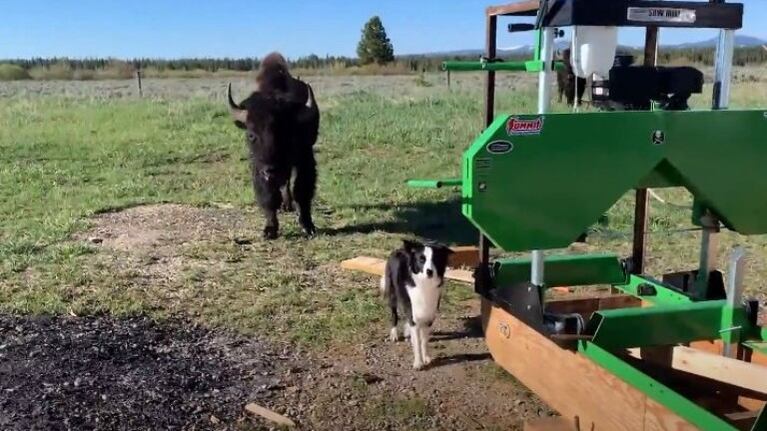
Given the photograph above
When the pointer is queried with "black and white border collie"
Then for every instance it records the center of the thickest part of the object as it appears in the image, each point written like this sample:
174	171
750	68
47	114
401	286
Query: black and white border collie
412	282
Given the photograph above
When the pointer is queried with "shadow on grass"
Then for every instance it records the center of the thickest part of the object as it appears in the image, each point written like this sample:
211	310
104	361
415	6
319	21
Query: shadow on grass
439	221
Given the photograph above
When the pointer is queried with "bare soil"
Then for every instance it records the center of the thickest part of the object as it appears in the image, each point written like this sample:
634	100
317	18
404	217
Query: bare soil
368	385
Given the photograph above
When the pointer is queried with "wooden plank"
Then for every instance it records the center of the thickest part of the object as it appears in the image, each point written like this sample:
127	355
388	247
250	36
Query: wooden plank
586	306
522	7
570	383
742	415
370	265
550	424
743	420
659	418
658	355
270	415
722	369
464	256
375	266
715	347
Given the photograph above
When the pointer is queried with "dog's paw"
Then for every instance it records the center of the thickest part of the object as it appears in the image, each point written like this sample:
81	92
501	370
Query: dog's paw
418	365
393	335
407	332
427	360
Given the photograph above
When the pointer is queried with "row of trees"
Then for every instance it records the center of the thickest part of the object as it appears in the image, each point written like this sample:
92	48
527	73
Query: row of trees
374	47
743	56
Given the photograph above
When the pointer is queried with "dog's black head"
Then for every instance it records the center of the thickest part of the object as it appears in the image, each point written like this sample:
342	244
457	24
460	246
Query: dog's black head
427	260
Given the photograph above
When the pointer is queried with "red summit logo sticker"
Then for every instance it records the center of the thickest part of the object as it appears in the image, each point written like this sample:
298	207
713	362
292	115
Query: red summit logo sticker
520	126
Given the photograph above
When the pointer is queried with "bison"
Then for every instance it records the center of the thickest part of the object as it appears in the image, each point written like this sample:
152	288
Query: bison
281	122
566	81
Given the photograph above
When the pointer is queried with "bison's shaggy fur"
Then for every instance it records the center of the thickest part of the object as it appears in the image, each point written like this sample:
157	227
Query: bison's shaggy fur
566	81
281	120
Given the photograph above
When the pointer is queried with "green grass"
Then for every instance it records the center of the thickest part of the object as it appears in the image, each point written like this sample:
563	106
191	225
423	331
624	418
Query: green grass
63	161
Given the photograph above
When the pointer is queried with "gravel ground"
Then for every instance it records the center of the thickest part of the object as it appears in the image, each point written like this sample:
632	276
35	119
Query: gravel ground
129	374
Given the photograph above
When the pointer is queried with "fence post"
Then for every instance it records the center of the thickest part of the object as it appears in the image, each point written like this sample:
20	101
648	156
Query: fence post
138	80
448	79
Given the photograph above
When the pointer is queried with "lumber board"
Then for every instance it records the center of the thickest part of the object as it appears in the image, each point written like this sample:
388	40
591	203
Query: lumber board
269	415
513	8
743	420
722	369
375	266
715	347
585	306
570	383
550	424
464	256
659	418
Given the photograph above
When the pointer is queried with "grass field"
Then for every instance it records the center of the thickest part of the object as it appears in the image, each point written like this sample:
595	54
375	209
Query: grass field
82	162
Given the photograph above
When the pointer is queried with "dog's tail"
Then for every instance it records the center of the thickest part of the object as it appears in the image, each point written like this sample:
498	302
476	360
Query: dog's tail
385	283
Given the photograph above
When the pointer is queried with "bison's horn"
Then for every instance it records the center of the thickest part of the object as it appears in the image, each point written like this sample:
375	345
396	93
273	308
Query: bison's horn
238	114
310	102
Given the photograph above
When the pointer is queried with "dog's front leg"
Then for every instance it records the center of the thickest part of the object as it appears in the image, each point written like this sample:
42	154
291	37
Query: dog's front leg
423	338
415	341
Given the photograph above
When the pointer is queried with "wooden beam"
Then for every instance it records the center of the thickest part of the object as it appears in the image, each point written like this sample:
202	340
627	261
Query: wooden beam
586	306
270	415
743	420
570	383
550	424
375	266
722	369
641	202
518	8
715	347
464	256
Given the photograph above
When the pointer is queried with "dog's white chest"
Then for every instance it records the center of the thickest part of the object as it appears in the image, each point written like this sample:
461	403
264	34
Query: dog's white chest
424	298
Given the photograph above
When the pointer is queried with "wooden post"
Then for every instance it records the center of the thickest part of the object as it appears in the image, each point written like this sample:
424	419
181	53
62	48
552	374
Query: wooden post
490	52
448	79
641	204
138	80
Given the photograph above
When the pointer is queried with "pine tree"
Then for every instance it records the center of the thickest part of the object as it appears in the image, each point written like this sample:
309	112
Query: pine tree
375	46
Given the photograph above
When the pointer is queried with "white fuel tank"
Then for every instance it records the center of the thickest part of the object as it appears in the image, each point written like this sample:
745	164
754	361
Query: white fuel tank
594	50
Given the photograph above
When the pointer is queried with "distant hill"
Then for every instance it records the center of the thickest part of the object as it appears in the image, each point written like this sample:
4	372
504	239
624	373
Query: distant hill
741	41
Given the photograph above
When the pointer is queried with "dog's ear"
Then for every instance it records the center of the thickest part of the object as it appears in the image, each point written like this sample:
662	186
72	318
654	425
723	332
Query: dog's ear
410	245
442	248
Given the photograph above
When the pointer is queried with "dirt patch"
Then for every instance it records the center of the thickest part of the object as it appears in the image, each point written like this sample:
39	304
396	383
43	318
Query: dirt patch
130	374
365	385
372	386
156	241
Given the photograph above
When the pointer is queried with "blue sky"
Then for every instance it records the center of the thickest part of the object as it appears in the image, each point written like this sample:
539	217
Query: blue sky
237	28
